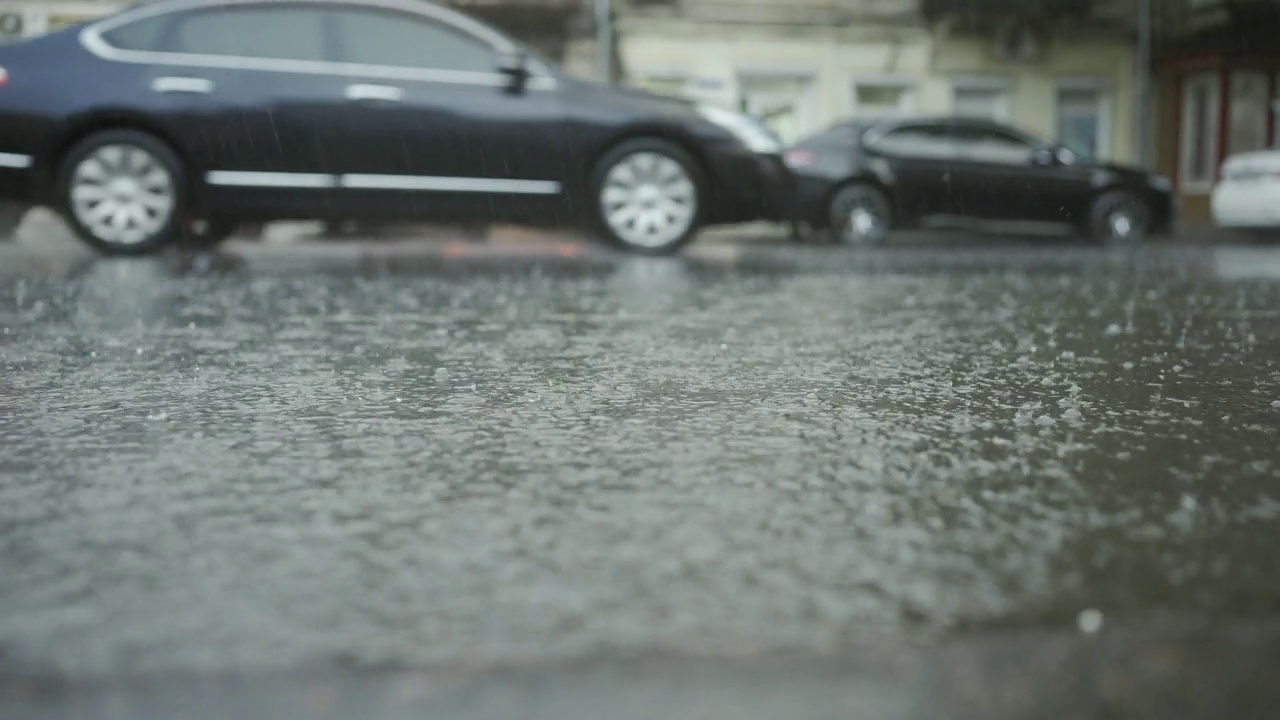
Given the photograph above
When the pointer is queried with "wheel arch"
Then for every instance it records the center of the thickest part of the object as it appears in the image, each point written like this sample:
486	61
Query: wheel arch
867	179
87	126
657	132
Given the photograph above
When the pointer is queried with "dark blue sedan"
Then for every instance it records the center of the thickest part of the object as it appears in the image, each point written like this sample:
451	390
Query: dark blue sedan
176	120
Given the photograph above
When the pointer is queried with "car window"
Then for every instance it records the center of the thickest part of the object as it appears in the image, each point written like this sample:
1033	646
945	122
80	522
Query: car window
144	34
915	141
380	37
991	145
275	33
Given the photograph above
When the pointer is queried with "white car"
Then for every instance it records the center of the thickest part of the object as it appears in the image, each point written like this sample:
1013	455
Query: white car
1248	195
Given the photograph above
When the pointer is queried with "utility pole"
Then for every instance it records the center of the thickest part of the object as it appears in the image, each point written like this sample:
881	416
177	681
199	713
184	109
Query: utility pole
604	40
1142	85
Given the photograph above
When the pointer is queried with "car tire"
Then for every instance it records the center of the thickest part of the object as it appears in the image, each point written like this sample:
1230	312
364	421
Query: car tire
206	233
860	216
648	196
11	215
1119	218
123	192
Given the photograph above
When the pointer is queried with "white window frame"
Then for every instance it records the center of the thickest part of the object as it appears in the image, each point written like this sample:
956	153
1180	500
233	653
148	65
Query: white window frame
1266	107
1213	81
989	83
1106	108
906	83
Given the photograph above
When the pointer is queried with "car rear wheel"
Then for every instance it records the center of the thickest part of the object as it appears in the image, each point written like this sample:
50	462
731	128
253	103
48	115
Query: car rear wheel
861	216
1119	218
207	232
648	196
123	192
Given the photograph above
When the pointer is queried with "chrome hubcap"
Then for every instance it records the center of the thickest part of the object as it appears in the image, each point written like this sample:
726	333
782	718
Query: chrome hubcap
863	222
1122	225
122	194
648	200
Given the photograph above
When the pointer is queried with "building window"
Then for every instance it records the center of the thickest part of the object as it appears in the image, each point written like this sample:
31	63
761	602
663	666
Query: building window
782	102
1199	159
880	98
986	100
1250	93
1084	119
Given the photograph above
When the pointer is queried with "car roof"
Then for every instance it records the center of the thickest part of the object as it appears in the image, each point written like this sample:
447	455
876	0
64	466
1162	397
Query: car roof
456	16
889	124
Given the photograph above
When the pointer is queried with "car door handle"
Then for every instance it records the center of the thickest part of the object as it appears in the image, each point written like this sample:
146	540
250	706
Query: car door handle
386	93
195	85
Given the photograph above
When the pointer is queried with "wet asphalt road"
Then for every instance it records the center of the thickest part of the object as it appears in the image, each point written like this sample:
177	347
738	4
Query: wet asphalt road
318	458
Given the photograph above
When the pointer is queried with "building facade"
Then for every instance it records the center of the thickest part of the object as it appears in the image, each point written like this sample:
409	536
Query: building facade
26	19
1216	75
1058	69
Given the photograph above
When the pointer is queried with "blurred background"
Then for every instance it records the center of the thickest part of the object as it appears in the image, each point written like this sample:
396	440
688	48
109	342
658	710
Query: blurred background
1173	85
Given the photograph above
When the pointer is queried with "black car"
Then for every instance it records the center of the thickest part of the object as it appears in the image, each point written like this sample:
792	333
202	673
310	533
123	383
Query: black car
179	119
860	179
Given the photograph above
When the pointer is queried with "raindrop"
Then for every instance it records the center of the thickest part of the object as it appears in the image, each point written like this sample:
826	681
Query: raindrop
1114	329
1045	421
1275	404
158	417
1189	503
1089	621
1072	415
442	374
1128	366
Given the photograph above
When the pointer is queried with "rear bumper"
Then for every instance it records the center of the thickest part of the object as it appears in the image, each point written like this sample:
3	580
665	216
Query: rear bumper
749	186
1246	205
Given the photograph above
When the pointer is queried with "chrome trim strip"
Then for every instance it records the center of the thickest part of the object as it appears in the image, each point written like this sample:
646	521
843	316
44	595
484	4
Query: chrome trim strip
92	40
245	178
14	160
248	178
192	85
450	184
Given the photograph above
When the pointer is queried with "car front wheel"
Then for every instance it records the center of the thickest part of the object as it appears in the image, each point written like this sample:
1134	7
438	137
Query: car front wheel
860	216
122	192
1119	218
648	196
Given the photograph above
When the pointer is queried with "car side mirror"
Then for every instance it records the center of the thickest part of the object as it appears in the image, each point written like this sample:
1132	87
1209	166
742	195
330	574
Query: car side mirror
515	66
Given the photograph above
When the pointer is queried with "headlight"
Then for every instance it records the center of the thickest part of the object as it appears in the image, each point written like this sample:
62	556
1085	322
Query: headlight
1162	183
751	133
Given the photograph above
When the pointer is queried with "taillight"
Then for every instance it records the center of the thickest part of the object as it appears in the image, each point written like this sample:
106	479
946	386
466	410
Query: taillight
799	158
4	77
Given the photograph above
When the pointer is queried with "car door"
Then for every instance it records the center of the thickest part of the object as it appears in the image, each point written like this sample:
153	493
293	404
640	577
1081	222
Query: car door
430	127
918	157
240	89
998	175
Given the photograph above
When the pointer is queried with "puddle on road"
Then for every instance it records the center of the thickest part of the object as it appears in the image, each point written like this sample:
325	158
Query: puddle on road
263	462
